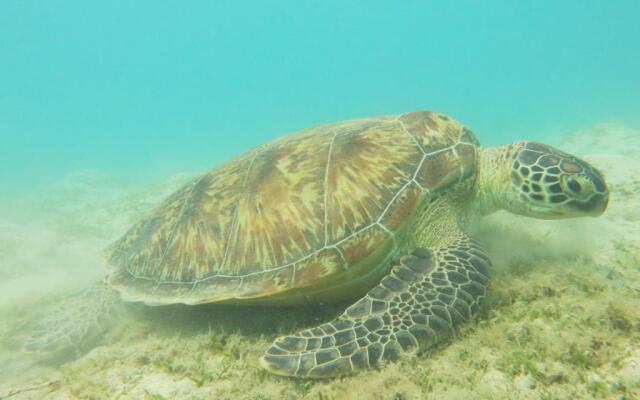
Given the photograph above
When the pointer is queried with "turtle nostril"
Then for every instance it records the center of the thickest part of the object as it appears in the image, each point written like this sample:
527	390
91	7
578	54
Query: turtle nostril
574	186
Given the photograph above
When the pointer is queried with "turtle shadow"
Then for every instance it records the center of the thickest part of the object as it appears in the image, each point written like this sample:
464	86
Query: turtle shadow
184	321
251	321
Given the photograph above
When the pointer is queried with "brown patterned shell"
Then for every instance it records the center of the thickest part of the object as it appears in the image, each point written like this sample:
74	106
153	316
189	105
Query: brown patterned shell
302	214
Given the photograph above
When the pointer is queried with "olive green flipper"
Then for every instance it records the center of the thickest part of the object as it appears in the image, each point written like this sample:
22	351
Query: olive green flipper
426	295
76	321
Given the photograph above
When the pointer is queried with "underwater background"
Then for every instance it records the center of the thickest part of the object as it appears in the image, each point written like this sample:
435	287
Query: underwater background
106	108
143	89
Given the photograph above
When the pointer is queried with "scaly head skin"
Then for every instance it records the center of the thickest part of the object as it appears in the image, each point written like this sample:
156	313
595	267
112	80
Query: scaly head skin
537	180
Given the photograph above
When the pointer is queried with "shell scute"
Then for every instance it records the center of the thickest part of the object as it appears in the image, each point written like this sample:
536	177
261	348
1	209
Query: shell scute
367	168
467	154
433	131
356	248
439	170
402	206
280	216
184	239
274	281
317	267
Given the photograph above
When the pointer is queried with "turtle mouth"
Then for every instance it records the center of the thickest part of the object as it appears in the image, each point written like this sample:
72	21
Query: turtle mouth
594	206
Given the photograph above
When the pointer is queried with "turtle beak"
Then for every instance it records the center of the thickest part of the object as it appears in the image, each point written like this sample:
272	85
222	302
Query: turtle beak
599	203
599	182
603	202
596	204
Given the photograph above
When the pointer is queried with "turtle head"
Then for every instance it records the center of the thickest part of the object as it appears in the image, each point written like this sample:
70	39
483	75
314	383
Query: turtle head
544	182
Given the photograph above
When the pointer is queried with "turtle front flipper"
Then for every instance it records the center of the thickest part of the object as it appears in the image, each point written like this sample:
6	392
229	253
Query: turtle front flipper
75	322
426	295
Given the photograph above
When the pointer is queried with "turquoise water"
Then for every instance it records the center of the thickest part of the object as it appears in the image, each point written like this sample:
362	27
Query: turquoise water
145	89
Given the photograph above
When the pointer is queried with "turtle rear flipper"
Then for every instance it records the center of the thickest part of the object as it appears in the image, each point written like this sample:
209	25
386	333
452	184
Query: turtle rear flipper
426	295
77	321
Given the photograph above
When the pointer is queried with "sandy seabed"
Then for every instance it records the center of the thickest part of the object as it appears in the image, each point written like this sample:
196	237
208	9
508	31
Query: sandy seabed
562	320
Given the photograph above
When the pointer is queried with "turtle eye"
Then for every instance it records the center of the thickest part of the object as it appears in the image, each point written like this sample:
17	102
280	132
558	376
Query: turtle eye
573	185
577	186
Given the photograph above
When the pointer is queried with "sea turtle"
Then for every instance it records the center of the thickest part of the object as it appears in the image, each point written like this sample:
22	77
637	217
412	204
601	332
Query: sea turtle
372	210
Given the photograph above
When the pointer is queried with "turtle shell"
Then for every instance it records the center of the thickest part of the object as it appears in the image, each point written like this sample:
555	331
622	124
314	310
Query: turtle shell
308	216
